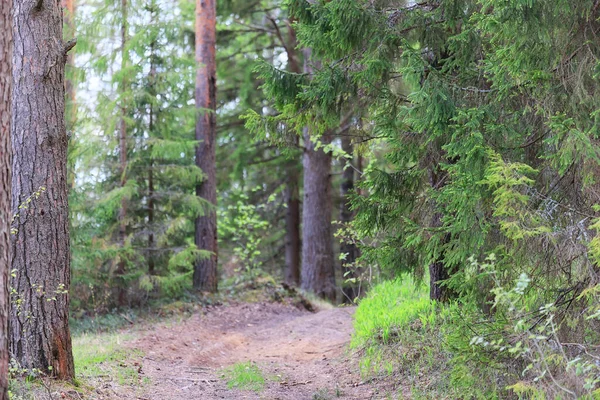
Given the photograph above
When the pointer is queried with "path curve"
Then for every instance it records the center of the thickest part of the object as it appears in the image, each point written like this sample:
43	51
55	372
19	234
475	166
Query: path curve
303	355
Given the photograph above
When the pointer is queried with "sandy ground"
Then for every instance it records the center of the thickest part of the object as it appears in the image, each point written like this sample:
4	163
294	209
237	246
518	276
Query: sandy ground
302	355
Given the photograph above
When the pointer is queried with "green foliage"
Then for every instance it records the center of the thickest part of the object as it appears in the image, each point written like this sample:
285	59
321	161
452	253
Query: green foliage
529	334
151	84
478	120
420	348
243	225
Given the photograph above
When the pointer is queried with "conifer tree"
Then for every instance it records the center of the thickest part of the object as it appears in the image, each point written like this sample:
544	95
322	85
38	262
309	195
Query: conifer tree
120	272
39	328
261	172
318	268
6	47
160	176
205	269
293	242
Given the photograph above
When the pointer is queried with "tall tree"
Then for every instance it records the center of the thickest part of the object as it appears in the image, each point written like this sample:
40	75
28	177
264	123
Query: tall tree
39	327
123	152
205	270
151	96
292	191
5	185
318	270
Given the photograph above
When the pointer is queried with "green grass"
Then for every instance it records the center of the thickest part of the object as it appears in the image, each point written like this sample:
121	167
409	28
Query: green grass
244	376
390	305
403	336
97	356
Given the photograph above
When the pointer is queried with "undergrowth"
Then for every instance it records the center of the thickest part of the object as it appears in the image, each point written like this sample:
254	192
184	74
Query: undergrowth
403	336
514	347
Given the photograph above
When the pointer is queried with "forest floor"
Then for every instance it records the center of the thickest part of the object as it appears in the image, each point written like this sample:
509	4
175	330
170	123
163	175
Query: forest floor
299	354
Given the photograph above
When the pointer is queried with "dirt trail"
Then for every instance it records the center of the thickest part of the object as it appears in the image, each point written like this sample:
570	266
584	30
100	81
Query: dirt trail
302	355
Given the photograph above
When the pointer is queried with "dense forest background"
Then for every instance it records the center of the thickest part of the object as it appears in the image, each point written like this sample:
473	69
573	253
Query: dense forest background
435	162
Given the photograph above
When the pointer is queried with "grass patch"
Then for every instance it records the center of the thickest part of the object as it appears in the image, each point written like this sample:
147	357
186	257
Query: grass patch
244	376
98	356
390	305
99	359
401	335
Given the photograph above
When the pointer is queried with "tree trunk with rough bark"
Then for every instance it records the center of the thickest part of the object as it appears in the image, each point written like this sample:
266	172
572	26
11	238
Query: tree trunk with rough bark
205	269
349	289
292	192
318	268
5	185
39	324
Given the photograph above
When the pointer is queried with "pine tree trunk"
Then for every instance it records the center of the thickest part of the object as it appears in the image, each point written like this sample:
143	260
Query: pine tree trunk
292	193
292	225
121	266
349	289
318	269
5	185
39	325
151	263
205	269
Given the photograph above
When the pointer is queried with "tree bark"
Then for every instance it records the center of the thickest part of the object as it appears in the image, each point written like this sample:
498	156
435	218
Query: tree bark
318	269
349	289
6	47
39	325
121	266
205	269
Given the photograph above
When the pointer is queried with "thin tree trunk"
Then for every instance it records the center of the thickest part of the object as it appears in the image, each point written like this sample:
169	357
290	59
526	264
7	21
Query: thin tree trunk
120	272
292	225
5	185
318	269
438	271
349	289
205	269
39	325
292	192
151	263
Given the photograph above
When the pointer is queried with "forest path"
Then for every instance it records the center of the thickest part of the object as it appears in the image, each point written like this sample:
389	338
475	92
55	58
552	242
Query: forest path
302	355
